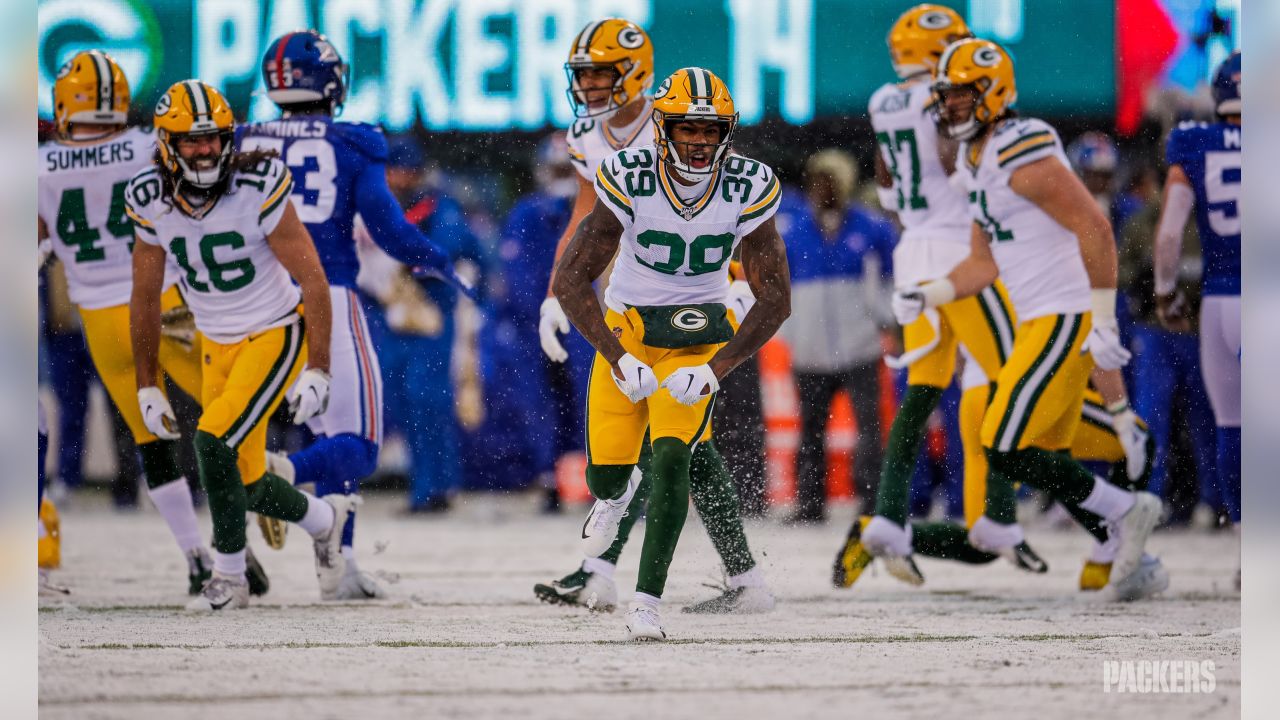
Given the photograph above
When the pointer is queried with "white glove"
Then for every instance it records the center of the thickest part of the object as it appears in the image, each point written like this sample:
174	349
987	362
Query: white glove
157	413
1104	343
687	384
907	304
551	319
1132	438
741	299
309	396
638	381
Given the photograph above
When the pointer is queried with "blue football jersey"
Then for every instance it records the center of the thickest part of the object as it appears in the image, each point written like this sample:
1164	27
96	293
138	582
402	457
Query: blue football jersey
327	159
1210	156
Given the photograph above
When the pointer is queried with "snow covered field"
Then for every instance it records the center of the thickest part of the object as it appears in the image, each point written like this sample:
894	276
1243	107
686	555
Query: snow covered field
464	636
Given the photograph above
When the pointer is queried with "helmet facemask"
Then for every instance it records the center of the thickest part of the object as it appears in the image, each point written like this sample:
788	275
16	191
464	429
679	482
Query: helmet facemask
693	162
204	171
618	96
979	116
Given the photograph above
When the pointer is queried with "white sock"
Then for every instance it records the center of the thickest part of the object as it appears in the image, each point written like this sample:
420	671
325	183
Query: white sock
648	601
603	568
1107	500
750	578
41	532
229	564
319	517
349	553
173	500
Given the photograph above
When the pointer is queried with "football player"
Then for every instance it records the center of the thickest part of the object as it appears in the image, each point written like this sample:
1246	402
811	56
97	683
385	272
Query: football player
223	218
1035	225
610	72
83	175
340	171
673	214
1204	175
915	167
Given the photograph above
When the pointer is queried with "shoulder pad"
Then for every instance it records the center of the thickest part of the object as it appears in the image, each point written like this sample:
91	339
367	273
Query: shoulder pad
365	138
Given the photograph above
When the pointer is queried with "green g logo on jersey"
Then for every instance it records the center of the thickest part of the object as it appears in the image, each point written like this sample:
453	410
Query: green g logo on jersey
689	320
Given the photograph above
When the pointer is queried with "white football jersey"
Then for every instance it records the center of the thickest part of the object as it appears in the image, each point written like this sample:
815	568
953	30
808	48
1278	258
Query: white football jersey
231	279
932	211
672	252
1039	260
80	193
591	140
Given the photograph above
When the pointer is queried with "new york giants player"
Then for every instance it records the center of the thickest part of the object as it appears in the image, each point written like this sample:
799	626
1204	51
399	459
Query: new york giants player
339	171
1204	174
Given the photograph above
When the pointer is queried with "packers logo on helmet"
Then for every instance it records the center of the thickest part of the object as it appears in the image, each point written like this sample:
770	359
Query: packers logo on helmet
191	109
693	94
91	89
985	69
920	35
611	44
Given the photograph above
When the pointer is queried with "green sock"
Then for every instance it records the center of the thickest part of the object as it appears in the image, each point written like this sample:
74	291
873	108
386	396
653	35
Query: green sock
668	507
608	482
1088	521
1057	473
716	500
904	448
159	462
228	501
946	541
636	508
1002	504
273	496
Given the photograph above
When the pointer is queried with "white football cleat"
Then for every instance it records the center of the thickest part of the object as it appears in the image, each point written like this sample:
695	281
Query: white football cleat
221	592
1149	579
601	527
745	600
644	624
591	590
50	589
357	585
885	539
1134	528
330	565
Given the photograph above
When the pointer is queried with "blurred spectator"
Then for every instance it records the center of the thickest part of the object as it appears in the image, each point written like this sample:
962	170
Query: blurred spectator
416	350
541	402
840	255
1096	160
1167	389
71	374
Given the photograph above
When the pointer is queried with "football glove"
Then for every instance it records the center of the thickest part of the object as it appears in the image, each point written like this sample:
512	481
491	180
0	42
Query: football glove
688	385
1132	438
1173	311
638	381
309	396
157	413
552	320
741	299
1104	343
179	325
907	304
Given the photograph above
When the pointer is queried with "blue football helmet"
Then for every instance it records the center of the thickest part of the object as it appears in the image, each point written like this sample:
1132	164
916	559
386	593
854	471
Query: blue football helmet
304	67
1093	152
1226	86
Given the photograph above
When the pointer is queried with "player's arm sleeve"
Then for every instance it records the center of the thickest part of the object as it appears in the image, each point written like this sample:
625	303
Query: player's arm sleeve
280	182
610	192
761	207
1034	141
386	223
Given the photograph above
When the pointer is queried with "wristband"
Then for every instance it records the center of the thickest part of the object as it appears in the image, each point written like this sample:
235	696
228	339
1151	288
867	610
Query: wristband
1103	304
938	292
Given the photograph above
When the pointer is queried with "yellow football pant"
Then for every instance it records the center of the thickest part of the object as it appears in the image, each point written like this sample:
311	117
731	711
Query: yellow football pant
1040	391
985	323
616	426
106	332
244	383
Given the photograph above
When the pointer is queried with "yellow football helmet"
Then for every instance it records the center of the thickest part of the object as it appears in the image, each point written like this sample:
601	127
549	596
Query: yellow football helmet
192	108
695	94
920	35
985	67
614	43
91	89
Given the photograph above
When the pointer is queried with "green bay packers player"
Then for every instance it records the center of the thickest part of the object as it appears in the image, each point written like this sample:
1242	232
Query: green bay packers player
610	73
225	221
673	213
82	181
1035	226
